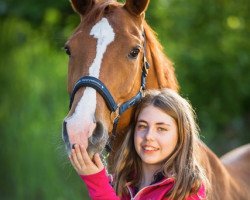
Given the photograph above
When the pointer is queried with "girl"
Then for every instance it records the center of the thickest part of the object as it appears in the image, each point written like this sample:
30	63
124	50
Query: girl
159	158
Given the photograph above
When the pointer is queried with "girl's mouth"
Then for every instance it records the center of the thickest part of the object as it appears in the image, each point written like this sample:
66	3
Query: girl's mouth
149	149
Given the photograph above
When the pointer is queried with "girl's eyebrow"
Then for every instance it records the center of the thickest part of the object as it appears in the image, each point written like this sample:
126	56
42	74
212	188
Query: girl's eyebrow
158	123
163	123
141	120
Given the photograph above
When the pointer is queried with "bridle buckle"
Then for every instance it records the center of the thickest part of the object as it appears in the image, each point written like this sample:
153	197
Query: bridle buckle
115	115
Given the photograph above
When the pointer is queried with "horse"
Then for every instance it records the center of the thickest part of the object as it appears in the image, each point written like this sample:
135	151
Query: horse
114	56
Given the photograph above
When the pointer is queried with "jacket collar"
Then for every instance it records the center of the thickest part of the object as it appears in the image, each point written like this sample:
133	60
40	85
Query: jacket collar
164	181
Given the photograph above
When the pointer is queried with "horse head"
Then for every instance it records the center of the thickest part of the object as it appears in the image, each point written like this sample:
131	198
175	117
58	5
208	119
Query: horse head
109	54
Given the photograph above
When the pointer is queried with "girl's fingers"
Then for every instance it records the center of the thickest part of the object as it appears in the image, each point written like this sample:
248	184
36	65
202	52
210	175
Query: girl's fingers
79	155
98	161
75	159
85	156
83	163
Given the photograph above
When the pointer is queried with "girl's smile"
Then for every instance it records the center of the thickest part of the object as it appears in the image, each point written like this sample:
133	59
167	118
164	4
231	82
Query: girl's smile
149	149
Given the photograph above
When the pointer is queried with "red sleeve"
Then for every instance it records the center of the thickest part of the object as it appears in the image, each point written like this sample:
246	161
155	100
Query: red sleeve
99	187
201	194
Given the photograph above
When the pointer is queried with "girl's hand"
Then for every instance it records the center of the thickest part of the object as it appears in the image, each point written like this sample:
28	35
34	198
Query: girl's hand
82	163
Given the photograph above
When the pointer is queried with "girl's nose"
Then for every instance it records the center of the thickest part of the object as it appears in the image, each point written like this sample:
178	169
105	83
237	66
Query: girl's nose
149	134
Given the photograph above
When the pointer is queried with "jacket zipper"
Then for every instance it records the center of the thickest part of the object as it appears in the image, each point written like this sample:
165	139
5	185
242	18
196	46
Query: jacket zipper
131	194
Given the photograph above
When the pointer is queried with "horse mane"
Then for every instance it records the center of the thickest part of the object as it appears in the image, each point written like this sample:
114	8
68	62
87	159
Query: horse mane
164	69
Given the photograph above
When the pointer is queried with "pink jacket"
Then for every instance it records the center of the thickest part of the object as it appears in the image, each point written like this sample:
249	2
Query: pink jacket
99	188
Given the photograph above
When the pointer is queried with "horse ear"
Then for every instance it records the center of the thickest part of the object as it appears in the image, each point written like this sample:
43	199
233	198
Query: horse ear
82	6
136	7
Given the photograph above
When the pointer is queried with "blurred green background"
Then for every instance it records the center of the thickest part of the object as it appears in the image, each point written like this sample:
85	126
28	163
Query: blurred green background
207	40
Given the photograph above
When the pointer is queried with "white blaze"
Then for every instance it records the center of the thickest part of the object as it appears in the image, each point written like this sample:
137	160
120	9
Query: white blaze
84	113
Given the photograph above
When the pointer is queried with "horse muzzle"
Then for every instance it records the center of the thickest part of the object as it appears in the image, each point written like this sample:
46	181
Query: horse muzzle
94	142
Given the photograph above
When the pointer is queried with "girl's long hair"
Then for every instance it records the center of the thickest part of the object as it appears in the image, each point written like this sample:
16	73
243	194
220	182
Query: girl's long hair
183	163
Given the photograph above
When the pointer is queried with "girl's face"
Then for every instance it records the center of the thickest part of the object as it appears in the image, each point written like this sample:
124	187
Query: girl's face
155	136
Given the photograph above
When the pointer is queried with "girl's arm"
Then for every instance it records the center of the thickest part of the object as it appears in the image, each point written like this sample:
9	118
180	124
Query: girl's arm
99	187
93	174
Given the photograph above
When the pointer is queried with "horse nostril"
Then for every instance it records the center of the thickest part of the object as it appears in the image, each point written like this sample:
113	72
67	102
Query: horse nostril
65	135
98	139
97	134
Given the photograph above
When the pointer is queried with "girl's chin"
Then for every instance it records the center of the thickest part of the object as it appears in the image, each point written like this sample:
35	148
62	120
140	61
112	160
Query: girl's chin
150	160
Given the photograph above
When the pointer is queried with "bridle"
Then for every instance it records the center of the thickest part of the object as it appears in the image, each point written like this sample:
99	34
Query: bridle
99	86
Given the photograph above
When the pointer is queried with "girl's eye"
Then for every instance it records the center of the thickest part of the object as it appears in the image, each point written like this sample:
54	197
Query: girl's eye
141	127
161	129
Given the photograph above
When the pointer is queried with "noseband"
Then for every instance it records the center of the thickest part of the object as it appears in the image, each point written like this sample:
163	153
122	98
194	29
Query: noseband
116	109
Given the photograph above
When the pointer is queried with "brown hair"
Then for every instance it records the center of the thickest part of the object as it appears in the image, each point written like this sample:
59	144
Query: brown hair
182	164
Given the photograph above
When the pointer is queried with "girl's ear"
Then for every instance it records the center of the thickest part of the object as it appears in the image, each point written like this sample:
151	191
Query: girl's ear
136	7
82	6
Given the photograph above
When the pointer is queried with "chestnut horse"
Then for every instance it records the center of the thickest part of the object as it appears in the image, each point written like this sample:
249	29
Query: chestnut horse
113	56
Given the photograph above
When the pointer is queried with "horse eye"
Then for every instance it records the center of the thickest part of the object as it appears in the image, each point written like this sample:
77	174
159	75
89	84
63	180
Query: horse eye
134	52
67	50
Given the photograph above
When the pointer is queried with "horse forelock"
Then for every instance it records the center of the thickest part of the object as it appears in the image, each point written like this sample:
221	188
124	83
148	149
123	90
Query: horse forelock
100	10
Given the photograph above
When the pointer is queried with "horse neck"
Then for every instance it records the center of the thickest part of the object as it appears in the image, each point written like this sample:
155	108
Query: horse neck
161	72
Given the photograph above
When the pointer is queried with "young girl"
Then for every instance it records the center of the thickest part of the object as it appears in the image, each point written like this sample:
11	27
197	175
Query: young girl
158	158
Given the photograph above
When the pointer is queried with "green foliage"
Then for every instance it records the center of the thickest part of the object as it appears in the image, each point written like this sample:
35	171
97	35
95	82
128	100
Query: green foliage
33	104
208	42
